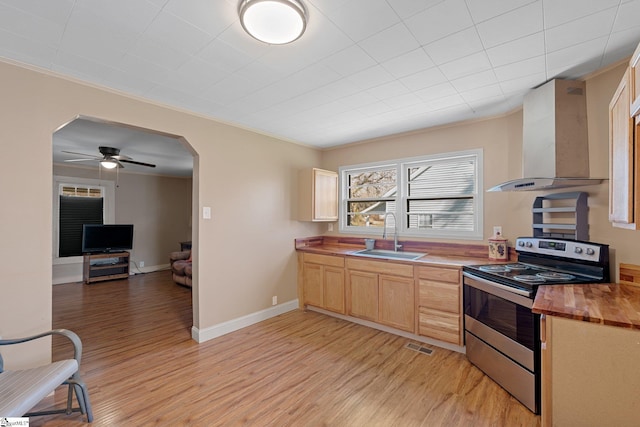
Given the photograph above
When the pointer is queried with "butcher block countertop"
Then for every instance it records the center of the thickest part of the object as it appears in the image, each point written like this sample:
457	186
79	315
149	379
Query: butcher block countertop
438	254
613	304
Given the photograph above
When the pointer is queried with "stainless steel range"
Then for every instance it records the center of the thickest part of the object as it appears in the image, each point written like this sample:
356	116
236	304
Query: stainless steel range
502	334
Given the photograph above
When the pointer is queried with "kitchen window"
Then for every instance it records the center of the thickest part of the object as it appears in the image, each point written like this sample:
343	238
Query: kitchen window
432	196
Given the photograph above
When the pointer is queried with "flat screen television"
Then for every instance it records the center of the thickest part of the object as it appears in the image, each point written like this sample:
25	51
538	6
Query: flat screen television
106	238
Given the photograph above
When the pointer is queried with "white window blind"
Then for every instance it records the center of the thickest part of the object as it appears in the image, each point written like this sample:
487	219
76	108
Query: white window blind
440	194
78	205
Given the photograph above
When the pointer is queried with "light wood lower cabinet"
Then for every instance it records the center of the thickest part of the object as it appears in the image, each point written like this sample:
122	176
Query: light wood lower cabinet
382	292
323	282
590	374
421	300
439	303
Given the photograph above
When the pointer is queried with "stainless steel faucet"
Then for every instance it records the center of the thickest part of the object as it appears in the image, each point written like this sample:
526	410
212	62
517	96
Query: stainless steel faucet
396	246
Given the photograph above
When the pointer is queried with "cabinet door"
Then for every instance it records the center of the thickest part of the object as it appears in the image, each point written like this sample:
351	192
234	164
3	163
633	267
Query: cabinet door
363	295
312	284
325	197
635	82
546	409
397	302
621	167
334	289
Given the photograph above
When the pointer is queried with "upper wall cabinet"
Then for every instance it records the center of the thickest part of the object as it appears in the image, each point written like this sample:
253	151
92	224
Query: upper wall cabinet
318	198
635	82
623	165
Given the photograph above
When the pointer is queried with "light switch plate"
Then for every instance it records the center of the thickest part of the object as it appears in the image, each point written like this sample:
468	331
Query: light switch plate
206	212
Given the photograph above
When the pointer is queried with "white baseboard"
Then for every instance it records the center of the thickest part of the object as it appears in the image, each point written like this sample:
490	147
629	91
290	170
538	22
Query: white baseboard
60	280
390	330
215	331
147	269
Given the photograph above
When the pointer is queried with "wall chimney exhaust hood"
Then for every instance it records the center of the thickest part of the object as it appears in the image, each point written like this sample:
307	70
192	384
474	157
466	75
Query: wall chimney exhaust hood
555	144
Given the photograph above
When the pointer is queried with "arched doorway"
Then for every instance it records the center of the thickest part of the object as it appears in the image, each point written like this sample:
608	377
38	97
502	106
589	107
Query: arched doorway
158	200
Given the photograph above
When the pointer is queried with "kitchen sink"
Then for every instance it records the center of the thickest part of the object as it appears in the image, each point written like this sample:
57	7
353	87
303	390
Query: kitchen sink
387	254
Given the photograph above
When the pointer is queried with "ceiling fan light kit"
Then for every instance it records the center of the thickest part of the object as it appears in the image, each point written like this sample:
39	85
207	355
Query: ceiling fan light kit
273	21
109	164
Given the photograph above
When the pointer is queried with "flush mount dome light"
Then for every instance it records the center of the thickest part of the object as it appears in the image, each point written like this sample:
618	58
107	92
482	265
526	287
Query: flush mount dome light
273	21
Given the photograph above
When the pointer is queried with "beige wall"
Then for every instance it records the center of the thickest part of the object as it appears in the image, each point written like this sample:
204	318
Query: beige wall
158	206
244	254
501	141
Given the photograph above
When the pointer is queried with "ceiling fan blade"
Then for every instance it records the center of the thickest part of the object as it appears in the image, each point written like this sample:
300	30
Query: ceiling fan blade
138	163
81	160
90	156
121	157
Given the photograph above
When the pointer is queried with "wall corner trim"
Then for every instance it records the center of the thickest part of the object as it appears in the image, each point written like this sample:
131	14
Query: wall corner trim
215	331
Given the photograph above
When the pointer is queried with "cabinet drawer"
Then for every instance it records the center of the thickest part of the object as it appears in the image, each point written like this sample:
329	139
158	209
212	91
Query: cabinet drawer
380	267
334	261
439	295
439	325
451	275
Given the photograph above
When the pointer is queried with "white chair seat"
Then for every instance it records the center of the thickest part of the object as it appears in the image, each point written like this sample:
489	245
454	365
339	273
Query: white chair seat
22	390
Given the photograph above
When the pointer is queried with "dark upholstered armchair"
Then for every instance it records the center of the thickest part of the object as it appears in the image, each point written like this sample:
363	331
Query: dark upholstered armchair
181	267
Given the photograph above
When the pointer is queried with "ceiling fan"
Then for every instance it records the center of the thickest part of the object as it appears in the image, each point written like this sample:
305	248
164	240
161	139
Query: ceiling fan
110	159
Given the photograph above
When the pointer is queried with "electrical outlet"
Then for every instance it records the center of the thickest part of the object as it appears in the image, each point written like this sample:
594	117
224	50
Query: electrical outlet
497	230
141	263
274	300
330	227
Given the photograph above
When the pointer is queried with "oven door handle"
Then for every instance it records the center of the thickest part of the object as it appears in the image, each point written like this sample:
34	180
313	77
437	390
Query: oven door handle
515	295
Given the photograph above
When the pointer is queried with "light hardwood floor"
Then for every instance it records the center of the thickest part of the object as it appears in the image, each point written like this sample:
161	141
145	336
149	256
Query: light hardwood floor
298	369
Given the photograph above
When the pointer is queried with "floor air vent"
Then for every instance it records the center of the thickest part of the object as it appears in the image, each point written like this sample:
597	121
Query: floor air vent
419	348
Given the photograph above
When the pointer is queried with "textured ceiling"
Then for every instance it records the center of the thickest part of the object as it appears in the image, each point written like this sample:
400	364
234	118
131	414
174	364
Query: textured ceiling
363	69
85	136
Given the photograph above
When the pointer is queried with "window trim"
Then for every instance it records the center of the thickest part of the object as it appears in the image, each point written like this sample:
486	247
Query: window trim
109	209
401	197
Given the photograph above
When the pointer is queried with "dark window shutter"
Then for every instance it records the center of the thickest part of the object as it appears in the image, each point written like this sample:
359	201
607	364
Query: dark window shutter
75	211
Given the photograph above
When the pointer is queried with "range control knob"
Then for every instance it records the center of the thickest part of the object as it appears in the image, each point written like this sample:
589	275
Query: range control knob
590	251
529	244
520	243
578	250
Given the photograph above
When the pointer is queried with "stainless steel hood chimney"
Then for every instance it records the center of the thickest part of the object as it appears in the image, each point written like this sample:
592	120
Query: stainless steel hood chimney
555	144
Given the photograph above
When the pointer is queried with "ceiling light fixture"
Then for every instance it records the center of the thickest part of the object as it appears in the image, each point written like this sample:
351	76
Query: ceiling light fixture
109	164
273	21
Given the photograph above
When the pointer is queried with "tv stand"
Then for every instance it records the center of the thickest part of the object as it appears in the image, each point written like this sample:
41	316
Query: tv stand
105	266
